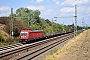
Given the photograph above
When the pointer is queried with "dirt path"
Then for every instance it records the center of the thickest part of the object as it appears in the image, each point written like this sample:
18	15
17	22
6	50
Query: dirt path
76	49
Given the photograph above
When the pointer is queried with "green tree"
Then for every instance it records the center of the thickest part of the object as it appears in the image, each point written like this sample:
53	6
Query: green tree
36	15
49	22
37	22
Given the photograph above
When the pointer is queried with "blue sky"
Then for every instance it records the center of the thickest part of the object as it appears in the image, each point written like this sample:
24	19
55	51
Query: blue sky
51	8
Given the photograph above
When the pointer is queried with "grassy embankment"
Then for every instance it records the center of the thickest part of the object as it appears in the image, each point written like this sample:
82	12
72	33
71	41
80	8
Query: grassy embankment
5	40
8	42
76	49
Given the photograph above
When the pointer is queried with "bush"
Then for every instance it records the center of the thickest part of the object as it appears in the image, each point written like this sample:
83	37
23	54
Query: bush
1	37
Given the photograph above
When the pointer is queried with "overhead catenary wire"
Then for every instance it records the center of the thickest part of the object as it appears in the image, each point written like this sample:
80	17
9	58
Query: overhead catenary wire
75	24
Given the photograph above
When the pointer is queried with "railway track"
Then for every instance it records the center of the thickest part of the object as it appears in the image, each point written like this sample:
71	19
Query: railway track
30	55
9	47
29	51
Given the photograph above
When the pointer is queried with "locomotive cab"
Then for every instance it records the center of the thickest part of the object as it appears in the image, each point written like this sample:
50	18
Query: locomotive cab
24	35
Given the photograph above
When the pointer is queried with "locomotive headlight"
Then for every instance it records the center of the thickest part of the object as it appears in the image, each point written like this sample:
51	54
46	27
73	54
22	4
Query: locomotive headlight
21	36
25	36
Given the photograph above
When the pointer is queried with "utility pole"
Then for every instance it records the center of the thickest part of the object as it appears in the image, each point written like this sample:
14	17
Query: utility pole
75	27
52	25
11	24
82	23
63	26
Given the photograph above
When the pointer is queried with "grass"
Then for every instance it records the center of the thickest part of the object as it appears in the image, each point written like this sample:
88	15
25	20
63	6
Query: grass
1	37
53	51
8	42
75	49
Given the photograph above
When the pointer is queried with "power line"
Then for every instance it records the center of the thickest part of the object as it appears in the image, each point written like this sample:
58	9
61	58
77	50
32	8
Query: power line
65	17
75	24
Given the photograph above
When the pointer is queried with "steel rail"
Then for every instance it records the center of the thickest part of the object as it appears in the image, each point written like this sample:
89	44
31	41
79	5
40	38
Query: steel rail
32	54
23	48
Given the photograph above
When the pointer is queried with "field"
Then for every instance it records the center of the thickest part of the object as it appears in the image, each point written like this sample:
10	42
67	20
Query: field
77	48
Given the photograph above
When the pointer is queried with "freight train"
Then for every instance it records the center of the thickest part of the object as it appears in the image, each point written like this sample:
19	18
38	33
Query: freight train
27	36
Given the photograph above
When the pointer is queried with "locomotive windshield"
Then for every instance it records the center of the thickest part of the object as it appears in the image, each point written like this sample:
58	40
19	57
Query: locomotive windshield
24	33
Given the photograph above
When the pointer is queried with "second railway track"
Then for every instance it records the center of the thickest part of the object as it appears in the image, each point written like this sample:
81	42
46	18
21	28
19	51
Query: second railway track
30	51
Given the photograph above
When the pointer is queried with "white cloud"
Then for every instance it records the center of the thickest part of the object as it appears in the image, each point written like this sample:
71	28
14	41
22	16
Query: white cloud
36	7
48	12
38	1
67	9
31	1
73	2
4	8
72	9
88	14
57	2
4	14
81	9
54	0
89	9
4	11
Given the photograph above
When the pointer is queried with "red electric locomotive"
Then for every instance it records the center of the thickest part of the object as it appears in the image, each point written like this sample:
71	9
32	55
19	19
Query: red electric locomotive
30	35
